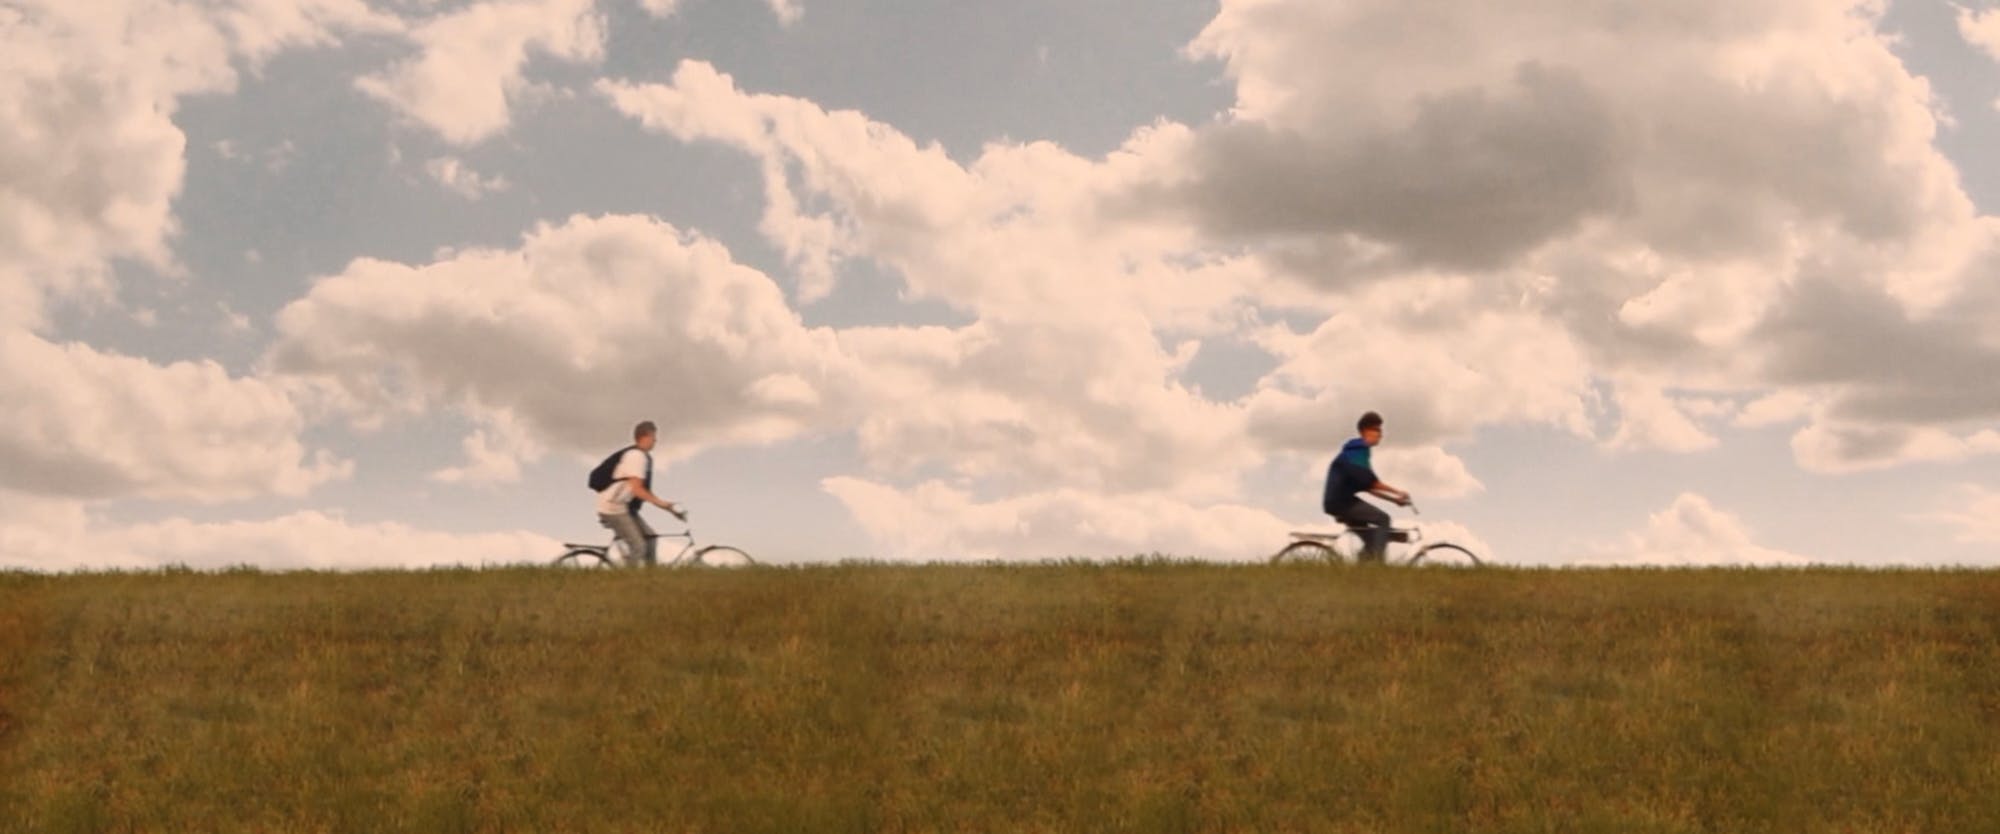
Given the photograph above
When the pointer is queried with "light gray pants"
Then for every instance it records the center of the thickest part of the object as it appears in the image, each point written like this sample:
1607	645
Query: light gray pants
636	537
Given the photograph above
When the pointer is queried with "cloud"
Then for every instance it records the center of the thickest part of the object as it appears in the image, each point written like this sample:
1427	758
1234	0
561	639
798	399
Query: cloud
1691	532
934	521
1889	385
1469	137
1065	375
589	326
1786	406
458	178
660	8
259	29
1975	513
1020	233
1433	355
1650	419
1475	179
1740	204
633	316
1425	471
81	423
91	162
62	535
1981	28
1881	362
1838	447
493	452
90	157
788	11
1037	404
470	67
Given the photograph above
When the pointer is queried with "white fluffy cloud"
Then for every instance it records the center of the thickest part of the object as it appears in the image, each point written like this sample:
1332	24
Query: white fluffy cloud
934	521
459	178
78	422
1975	513
493	452
1023	405
1651	419
1718	201
1471	136
468	73
90	164
1834	447
1066	377
1022	233
90	159
1434	356
1691	532
1981	28
787	11
1425	471
45	534
566	341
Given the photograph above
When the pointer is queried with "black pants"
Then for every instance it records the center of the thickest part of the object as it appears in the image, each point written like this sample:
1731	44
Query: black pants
1373	525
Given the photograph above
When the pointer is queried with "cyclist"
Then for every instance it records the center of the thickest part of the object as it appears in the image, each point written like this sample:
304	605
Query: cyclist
1351	474
631	488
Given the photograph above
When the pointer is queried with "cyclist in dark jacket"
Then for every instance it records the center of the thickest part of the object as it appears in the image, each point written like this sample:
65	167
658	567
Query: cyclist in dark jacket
1351	474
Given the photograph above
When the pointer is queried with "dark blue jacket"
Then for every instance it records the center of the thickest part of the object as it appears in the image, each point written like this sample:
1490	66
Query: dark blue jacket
1349	473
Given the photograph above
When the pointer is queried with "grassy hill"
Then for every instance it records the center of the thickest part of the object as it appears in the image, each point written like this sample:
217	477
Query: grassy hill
1145	697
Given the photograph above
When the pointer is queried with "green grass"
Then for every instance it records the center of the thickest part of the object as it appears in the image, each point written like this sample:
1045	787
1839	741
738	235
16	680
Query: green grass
1152	697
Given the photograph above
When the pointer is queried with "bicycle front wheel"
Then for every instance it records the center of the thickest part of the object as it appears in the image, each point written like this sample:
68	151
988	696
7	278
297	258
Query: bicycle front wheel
584	557
1307	552
1445	554
722	556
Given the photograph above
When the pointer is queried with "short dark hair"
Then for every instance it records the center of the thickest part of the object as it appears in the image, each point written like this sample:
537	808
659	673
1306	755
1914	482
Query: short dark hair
644	428
1371	420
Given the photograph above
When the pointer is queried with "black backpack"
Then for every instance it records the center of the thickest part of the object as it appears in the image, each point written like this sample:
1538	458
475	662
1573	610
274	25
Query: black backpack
600	478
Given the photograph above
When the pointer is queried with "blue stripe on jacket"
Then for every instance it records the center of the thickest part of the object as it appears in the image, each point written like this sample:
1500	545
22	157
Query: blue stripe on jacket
1349	473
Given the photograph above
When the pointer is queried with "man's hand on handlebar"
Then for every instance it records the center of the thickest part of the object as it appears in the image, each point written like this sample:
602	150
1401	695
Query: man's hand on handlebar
674	510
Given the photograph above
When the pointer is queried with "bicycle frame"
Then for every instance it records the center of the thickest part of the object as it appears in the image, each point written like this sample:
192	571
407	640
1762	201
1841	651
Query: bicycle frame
574	554
687	534
1328	547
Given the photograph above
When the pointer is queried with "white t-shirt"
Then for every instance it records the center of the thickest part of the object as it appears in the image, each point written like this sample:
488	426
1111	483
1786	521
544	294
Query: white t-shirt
614	498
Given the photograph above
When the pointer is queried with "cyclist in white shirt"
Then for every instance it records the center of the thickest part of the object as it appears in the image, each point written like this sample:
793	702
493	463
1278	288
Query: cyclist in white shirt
631	488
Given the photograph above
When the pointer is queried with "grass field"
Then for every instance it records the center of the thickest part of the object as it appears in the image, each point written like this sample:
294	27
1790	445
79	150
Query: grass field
1145	697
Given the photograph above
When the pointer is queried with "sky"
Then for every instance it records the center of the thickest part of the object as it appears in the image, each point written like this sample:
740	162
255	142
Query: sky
340	284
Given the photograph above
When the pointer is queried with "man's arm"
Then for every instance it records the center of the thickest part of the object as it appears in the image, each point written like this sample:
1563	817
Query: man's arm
1384	490
640	492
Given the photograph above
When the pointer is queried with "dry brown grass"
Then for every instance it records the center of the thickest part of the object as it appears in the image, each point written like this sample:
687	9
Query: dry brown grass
1134	697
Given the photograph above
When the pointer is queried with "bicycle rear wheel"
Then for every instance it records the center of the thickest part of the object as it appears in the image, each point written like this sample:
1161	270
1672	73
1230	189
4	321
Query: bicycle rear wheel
584	557
1311	551
722	556
1445	554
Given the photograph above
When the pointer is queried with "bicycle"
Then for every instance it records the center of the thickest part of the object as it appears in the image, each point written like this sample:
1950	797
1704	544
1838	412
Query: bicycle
1345	546
713	556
